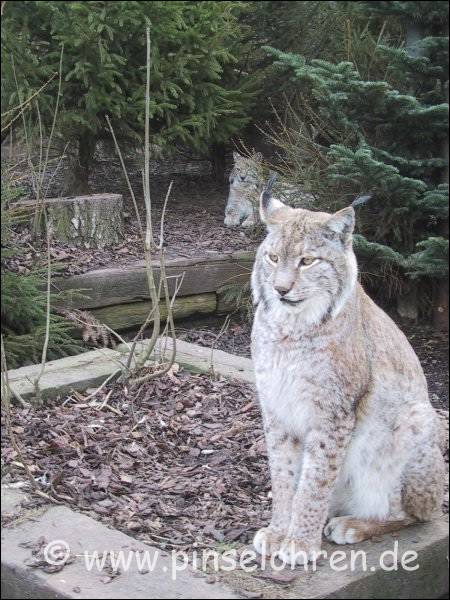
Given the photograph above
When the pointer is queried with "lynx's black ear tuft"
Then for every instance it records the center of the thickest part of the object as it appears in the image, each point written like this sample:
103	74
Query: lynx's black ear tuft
267	192
271	210
361	200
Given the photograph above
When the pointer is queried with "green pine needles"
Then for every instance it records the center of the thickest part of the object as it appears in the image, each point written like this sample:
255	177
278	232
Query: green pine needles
386	136
23	307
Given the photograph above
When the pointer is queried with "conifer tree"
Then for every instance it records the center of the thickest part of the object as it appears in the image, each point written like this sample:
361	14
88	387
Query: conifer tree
390	137
104	54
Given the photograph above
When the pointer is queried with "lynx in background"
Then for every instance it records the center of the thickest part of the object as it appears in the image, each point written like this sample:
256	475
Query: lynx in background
353	441
246	183
245	187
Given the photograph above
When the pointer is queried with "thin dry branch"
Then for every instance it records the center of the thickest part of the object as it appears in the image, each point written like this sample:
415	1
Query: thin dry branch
223	329
150	248
38	178
127	179
23	105
47	314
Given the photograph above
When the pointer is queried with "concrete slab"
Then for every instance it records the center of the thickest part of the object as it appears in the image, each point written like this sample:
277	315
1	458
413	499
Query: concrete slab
92	368
84	535
204	360
72	372
384	575
425	575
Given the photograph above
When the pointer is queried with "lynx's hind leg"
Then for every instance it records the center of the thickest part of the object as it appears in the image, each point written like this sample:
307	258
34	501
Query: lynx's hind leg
421	498
423	490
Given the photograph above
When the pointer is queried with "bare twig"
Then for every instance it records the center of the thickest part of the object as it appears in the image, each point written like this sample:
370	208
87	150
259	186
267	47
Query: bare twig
163	216
223	329
127	179
43	167
23	105
150	248
47	313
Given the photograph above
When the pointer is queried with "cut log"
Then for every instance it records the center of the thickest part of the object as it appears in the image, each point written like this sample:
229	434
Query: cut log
94	221
128	316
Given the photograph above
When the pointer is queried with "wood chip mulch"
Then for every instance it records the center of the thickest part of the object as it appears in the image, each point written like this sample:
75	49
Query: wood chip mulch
178	462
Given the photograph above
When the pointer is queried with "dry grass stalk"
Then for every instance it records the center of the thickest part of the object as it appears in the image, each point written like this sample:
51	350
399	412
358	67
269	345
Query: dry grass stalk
223	329
38	183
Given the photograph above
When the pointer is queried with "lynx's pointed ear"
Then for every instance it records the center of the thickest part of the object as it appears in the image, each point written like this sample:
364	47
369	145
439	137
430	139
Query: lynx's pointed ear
271	210
342	224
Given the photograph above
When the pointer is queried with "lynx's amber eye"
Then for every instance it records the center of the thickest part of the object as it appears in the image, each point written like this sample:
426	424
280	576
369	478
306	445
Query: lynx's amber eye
307	261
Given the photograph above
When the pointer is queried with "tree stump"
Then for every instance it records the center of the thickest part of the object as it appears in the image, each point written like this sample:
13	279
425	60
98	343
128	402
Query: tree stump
94	221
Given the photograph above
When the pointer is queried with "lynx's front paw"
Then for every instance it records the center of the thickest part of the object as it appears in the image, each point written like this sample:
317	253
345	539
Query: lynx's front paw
231	222
267	542
294	552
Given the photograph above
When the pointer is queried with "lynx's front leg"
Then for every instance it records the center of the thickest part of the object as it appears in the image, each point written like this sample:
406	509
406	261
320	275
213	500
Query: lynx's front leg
284	460
323	455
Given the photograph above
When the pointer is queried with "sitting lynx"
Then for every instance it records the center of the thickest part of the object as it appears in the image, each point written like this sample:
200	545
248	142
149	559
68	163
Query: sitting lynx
246	183
351	435
245	187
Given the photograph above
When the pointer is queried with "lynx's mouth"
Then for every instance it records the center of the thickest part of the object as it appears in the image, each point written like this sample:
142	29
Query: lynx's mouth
292	302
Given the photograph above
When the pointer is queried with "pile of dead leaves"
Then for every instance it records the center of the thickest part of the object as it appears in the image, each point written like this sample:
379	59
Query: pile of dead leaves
179	462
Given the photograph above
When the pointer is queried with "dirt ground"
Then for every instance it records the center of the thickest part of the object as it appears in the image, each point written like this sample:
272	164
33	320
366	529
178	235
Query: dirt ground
193	227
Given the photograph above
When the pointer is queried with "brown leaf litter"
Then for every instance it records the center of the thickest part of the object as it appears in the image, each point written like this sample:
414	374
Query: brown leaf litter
180	462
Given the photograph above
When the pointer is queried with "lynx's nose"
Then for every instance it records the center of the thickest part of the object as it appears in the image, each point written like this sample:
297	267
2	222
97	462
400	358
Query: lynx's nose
282	290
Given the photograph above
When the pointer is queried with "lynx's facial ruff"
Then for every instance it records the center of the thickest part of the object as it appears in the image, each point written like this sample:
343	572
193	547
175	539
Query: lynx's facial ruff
306	261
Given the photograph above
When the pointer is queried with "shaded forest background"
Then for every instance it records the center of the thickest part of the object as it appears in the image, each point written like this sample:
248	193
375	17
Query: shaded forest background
343	98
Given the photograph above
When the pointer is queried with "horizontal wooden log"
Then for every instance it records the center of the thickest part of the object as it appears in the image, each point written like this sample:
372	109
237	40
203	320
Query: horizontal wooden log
128	316
111	286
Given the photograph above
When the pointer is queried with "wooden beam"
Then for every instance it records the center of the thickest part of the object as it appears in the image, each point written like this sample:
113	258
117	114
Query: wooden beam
128	316
124	285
